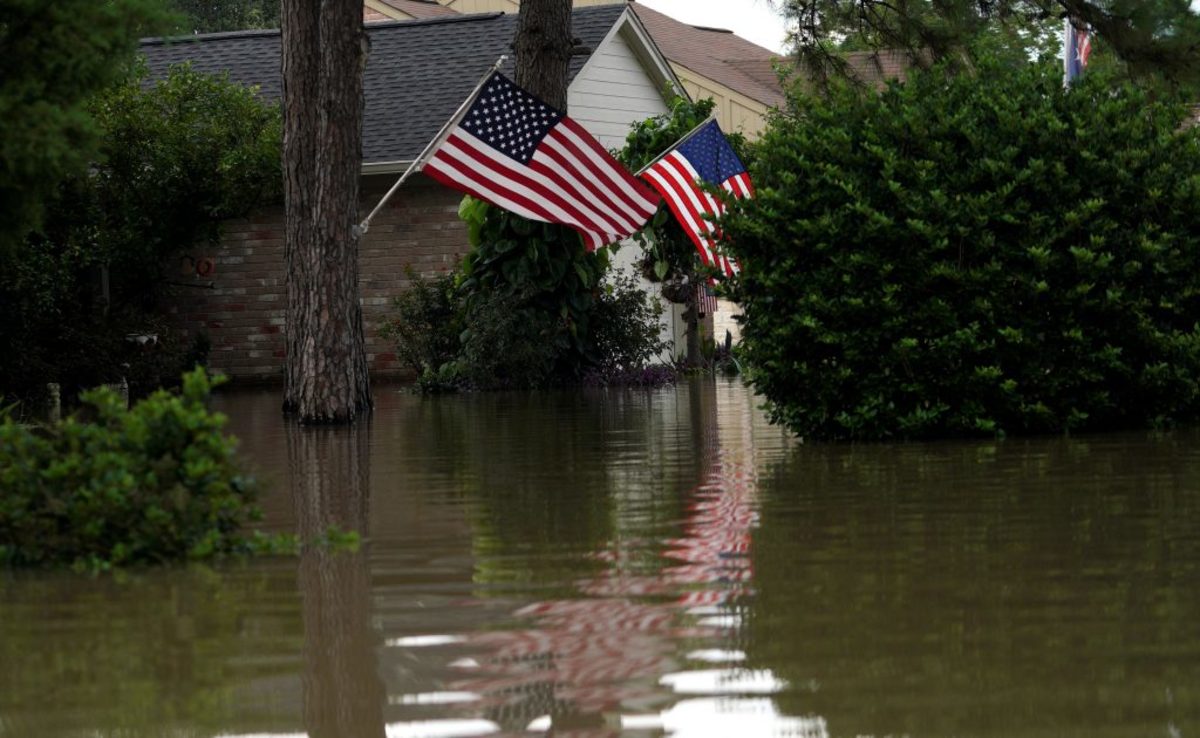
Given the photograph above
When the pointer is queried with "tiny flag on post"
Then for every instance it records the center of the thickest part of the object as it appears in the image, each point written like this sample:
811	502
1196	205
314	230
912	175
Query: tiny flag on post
701	157
518	153
706	300
1077	48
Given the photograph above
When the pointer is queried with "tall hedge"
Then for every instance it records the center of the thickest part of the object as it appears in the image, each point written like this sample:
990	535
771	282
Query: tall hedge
974	254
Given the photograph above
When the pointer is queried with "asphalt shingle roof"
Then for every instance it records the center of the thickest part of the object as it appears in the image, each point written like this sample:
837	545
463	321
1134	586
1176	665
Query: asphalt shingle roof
421	9
721	56
418	72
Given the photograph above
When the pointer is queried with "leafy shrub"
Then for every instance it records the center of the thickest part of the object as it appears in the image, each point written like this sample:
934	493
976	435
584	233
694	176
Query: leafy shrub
177	158
625	337
528	309
540	269
154	483
508	344
427	323
965	254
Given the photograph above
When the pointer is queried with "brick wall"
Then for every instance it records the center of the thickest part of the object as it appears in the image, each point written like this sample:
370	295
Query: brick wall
235	291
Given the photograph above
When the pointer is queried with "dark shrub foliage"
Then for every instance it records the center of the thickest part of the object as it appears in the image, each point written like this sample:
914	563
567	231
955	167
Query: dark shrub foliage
625	334
982	253
530	308
151	484
427	323
178	157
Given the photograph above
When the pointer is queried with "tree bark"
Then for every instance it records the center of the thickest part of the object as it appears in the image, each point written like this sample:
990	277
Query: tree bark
324	52
543	47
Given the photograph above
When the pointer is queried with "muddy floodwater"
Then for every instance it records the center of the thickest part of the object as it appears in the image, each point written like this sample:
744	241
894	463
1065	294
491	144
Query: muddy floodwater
644	563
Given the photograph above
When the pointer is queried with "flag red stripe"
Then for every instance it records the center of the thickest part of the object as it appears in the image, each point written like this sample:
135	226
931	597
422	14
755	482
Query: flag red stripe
701	201
550	165
683	187
453	173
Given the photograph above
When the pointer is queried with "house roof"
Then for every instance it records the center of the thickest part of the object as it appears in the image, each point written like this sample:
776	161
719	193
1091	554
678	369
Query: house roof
418	72
421	9
876	68
720	55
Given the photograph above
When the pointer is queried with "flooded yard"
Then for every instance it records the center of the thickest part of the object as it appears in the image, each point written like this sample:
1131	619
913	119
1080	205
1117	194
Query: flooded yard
662	562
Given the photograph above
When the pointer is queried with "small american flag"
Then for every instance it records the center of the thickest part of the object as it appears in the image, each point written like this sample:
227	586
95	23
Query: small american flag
518	153
706	300
1077	49
702	157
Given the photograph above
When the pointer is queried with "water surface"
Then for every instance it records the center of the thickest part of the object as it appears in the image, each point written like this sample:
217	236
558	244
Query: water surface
644	563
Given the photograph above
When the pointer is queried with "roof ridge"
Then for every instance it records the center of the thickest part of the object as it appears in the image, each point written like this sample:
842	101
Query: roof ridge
266	32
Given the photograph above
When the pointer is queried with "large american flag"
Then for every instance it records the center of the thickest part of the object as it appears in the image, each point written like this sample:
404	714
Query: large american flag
518	153
703	157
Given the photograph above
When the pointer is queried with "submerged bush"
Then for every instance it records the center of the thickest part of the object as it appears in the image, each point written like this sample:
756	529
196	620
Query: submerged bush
529	309
626	337
974	253
454	339
154	483
427	323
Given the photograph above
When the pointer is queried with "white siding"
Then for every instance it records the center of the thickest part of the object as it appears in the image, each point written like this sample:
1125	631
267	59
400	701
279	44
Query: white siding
612	91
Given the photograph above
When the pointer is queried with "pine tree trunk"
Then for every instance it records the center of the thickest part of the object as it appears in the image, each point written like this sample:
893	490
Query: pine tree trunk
324	52
543	46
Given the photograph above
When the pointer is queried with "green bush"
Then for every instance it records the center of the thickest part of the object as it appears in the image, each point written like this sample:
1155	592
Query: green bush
453	337
528	309
427	323
178	157
510	344
625	336
154	483
974	254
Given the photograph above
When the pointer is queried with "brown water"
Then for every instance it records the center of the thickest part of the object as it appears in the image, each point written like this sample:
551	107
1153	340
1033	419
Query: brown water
641	563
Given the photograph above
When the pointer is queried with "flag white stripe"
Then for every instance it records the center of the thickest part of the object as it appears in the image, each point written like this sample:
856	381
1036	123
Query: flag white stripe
473	183
488	176
687	186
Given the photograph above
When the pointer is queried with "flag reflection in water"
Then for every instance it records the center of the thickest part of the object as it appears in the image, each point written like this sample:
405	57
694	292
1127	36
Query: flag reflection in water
614	659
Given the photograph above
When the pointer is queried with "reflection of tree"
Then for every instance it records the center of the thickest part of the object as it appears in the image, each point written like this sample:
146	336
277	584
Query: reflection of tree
542	474
146	653
617	629
330	477
1040	588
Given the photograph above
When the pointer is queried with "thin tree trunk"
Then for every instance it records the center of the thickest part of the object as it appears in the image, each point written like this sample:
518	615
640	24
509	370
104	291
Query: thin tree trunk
543	46
691	317
324	52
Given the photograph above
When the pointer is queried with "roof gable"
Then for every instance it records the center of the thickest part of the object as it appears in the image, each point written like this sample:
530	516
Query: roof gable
721	56
418	72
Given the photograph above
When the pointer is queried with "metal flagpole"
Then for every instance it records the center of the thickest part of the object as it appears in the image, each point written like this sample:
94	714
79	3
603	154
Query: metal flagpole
433	144
712	116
